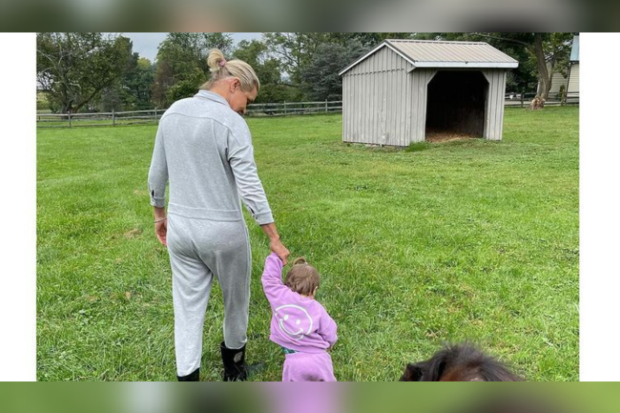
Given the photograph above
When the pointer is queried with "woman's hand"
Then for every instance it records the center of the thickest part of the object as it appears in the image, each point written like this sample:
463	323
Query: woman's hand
161	230
274	241
276	246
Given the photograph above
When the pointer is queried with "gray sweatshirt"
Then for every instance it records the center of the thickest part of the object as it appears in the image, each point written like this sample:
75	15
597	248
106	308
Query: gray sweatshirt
205	149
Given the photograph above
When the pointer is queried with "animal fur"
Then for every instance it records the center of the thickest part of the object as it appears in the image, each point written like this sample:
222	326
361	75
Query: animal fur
461	362
537	103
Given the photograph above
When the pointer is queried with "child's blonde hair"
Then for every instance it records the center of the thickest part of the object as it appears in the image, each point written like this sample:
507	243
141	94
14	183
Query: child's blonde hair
221	68
302	278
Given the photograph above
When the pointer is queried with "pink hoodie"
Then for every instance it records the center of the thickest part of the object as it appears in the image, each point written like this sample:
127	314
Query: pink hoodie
298	323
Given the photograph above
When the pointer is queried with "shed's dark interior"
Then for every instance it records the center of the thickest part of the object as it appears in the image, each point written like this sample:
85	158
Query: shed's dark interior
456	103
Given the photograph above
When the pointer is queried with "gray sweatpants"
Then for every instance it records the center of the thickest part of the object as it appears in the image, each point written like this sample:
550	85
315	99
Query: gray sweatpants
199	250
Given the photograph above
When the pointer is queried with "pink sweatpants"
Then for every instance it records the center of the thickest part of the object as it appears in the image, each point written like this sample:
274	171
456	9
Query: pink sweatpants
308	367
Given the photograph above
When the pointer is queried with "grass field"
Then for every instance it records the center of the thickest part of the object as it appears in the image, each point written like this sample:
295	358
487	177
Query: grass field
465	240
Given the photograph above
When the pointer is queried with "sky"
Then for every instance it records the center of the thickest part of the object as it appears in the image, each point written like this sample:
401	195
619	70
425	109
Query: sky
146	43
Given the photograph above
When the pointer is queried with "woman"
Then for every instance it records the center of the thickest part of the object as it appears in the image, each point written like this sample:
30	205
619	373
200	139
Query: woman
204	148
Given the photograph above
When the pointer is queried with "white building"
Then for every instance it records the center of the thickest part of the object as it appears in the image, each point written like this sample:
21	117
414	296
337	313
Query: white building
401	89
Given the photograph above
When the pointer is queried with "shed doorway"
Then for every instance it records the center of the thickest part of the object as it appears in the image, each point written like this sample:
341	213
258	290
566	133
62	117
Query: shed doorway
456	105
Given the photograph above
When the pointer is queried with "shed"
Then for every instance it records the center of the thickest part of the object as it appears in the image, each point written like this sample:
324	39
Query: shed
403	89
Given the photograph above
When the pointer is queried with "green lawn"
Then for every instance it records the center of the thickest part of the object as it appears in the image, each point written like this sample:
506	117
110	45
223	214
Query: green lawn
444	242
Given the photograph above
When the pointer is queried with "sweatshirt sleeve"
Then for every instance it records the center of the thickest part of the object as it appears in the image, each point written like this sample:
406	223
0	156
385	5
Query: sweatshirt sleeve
249	186
328	329
272	279
158	172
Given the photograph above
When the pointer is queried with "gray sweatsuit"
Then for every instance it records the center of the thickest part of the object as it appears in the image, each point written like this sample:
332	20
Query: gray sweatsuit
205	150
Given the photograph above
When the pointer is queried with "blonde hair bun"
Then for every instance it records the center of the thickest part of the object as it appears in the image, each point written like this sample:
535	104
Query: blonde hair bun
214	59
221	68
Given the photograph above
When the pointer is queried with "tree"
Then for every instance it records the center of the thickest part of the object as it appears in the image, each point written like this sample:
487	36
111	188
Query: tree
368	40
296	51
136	85
321	77
109	100
132	91
267	68
73	68
182	64
557	52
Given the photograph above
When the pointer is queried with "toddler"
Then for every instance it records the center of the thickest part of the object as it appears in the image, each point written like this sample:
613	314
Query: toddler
299	323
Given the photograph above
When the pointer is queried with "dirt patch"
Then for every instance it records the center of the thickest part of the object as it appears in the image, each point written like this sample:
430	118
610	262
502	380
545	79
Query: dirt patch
133	233
433	136
122	297
91	298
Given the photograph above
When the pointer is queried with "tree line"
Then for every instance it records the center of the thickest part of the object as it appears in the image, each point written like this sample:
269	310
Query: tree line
84	72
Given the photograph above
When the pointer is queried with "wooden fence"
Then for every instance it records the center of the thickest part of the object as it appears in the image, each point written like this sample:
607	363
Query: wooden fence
69	120
139	117
294	108
524	99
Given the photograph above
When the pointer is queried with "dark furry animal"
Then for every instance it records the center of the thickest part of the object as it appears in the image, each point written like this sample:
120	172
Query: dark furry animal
461	362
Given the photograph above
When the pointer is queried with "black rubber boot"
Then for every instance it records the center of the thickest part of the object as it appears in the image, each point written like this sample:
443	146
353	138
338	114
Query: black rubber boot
193	376
235	368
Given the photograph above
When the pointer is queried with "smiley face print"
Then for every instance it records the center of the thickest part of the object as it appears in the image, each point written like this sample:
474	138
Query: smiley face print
294	321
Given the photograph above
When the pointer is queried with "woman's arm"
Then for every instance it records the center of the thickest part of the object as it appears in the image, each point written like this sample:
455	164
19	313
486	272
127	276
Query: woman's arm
157	180
274	242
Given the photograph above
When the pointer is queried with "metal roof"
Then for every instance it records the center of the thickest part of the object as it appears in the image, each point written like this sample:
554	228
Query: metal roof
444	54
574	52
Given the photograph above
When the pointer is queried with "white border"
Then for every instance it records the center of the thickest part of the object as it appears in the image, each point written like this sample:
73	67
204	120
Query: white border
599	208
18	208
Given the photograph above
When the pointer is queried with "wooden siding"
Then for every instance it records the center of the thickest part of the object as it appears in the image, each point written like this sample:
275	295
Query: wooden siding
557	80
573	86
376	101
494	112
421	79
